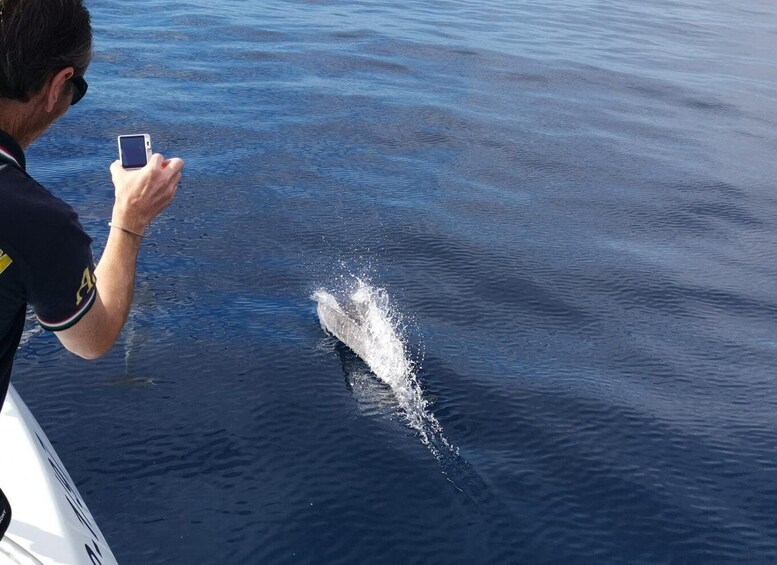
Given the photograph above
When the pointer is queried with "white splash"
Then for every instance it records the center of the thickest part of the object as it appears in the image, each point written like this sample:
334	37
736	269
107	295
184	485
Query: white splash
364	320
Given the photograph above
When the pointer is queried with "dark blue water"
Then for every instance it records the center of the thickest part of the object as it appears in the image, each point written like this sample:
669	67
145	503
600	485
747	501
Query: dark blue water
571	202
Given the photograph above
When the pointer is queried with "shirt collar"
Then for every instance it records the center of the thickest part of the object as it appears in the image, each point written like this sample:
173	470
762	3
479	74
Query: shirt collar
11	152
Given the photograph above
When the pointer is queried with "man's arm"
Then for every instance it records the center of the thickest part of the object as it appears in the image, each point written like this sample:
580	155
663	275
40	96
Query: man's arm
140	196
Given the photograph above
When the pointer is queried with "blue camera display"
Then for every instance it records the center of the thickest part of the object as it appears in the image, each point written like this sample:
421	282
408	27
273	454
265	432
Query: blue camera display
133	151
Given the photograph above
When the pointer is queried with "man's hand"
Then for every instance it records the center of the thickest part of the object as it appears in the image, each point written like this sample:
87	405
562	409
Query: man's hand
142	194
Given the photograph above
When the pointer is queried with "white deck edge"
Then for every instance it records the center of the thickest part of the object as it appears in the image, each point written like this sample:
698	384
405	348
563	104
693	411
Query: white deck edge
49	517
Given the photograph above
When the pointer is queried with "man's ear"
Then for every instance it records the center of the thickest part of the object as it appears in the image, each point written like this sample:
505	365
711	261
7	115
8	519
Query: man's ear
57	87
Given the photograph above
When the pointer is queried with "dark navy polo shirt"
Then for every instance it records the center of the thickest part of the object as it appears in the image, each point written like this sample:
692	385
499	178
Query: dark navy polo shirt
45	258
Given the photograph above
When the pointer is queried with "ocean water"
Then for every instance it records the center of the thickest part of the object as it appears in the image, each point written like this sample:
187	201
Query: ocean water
570	206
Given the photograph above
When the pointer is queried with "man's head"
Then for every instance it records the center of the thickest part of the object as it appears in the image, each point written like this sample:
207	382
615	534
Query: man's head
44	45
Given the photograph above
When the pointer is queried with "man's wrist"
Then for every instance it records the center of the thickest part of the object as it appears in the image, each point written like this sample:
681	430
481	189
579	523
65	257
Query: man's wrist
139	235
121	219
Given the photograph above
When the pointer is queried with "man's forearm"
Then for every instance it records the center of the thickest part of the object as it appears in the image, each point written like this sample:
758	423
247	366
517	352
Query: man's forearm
116	278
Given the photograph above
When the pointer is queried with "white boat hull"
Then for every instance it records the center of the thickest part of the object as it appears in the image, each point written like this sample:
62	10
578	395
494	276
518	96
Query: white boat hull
50	521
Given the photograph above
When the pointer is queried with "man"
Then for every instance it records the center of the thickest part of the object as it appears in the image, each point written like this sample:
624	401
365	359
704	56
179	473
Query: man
45	256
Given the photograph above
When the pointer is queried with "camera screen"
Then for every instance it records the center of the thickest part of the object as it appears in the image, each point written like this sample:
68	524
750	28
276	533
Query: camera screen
133	151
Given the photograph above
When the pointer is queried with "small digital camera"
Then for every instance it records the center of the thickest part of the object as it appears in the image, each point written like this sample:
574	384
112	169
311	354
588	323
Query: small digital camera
134	150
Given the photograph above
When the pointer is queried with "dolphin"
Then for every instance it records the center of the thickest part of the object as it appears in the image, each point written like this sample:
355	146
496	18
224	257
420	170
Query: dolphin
346	324
362	320
358	321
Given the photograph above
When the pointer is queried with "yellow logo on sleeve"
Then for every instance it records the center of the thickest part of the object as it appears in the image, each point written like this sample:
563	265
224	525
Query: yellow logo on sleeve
87	282
5	261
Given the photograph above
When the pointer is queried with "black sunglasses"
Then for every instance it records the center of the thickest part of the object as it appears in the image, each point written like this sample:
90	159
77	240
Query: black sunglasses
80	88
